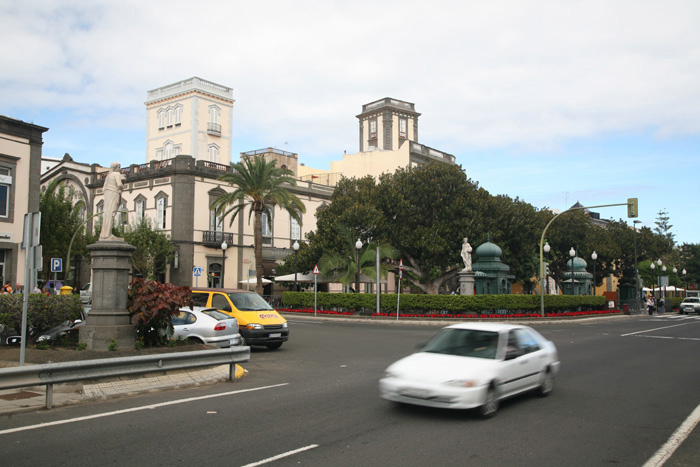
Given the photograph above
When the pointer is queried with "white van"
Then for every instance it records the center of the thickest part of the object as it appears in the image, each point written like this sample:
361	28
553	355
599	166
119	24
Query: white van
86	294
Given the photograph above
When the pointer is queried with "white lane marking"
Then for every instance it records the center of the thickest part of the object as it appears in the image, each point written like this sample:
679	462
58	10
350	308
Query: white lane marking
133	409
672	338
655	329
280	456
676	439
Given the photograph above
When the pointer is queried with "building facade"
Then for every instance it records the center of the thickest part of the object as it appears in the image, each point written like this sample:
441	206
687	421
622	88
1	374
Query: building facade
20	171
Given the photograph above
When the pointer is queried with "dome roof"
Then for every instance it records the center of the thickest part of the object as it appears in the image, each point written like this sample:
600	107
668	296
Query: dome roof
579	264
488	250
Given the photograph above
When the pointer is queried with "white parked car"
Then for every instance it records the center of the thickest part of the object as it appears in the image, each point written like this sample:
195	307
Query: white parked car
206	325
86	293
473	365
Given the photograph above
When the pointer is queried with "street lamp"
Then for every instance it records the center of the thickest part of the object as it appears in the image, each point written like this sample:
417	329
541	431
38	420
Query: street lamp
358	245
663	268
296	252
547	249
594	257
652	266
675	273
658	275
636	268
572	253
223	261
686	282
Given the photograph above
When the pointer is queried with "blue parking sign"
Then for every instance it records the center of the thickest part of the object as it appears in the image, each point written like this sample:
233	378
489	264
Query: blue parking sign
56	264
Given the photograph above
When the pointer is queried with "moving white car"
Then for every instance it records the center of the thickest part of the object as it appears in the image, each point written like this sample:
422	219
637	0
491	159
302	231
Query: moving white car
690	305
473	365
207	326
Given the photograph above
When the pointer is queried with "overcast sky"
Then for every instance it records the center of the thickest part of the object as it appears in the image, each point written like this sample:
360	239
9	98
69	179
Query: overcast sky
550	101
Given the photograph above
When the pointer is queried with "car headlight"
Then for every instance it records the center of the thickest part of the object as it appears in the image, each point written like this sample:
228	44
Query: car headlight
254	326
285	325
462	383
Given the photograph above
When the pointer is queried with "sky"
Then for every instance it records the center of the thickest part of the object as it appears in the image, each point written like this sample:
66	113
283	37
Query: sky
552	102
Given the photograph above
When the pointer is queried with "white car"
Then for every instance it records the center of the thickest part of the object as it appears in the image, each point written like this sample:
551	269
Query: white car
473	365
690	305
207	326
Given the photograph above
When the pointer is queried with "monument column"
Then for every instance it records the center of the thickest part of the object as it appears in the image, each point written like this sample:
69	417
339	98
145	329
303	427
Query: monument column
109	318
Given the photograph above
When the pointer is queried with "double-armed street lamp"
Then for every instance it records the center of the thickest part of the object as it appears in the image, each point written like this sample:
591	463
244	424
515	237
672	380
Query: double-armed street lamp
223	261
296	252
546	249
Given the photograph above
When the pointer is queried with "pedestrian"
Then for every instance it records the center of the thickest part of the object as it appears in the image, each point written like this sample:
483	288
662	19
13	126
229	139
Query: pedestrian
37	289
52	289
662	305
651	305
19	289
7	288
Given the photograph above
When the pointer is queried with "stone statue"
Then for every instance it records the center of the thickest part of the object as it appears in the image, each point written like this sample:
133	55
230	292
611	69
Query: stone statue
113	187
467	255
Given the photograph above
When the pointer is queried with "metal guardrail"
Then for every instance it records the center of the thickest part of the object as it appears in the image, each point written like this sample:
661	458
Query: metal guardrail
49	374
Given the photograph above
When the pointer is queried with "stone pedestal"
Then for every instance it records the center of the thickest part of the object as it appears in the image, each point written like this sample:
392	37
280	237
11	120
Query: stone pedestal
109	318
466	282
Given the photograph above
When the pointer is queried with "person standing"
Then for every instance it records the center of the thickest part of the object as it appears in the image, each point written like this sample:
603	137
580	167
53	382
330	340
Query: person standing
650	304
662	305
7	288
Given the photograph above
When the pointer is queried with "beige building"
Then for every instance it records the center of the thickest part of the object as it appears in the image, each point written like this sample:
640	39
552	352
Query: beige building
20	169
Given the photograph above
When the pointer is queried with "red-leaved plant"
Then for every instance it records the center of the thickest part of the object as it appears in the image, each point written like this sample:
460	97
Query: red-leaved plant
152	306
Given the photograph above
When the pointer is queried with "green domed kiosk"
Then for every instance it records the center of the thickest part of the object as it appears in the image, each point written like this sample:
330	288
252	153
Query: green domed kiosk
491	274
582	283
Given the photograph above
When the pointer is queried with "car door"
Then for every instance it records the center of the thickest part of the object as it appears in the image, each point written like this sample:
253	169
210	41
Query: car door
183	324
520	367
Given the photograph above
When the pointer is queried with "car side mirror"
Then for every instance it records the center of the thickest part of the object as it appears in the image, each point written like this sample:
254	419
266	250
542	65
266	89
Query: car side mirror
227	308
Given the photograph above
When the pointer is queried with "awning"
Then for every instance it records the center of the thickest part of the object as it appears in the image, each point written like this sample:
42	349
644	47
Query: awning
254	280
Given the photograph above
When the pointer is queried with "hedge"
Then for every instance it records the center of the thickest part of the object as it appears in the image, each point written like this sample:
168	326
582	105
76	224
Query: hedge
43	311
451	304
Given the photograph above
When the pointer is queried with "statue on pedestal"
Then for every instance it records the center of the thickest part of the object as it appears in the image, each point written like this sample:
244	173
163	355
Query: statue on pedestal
467	255
113	187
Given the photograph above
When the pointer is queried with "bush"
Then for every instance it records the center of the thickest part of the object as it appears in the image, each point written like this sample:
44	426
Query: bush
152	306
43	311
451	304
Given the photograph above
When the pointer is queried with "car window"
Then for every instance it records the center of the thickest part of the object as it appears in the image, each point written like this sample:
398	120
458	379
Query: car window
86	287
178	319
220	302
200	299
216	314
190	318
249	301
464	342
526	342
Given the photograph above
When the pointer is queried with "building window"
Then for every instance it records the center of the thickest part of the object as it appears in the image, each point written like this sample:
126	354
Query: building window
178	115
216	222
214	113
161	119
295	230
161	206
168	151
123	216
169	117
213	153
140	208
403	128
373	129
266	229
5	186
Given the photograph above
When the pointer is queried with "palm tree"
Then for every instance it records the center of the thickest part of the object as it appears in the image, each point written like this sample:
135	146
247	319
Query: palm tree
343	266
259	185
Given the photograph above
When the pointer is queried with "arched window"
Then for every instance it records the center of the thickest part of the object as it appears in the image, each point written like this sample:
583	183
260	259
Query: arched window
213	153
266	229
161	206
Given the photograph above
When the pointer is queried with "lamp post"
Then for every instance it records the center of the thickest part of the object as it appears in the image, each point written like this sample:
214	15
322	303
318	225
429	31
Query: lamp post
652	266
686	283
675	273
572	253
546	249
663	268
636	268
358	245
223	261
594	257
296	252
658	275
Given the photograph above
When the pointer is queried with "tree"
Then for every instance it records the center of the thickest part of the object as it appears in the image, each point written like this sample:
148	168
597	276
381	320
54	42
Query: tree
154	250
61	216
431	208
258	185
344	265
663	228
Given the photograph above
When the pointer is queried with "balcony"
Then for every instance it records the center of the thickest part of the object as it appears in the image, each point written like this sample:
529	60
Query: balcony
214	129
213	239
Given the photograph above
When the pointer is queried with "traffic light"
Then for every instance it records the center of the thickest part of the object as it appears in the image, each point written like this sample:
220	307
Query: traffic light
546	269
632	207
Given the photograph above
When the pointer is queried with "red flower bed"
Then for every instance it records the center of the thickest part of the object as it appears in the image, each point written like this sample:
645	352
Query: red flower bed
512	315
320	312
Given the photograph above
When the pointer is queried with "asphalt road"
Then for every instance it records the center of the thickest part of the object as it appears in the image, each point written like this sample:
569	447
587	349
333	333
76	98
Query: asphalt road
625	387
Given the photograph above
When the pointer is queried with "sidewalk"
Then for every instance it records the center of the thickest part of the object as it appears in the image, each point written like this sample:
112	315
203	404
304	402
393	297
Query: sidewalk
34	398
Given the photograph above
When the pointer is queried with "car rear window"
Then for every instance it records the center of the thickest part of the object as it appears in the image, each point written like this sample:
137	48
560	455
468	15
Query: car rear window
216	314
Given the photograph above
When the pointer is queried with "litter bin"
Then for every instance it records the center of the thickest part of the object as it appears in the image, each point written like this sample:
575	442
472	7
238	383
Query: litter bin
66	290
626	309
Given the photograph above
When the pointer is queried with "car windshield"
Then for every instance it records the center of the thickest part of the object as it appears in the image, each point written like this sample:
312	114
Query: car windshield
249	301
464	342
692	300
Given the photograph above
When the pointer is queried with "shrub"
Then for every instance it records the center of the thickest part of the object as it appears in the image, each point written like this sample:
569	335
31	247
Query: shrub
152	305
43	311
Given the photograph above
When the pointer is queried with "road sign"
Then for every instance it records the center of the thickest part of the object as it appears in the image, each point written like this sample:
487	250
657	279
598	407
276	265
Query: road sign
197	271
316	271
56	264
401	268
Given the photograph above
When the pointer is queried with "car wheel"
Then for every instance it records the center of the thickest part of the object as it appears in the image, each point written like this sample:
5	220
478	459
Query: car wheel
274	345
490	406
547	384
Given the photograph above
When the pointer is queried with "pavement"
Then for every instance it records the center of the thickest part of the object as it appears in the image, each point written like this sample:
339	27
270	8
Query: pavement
34	398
